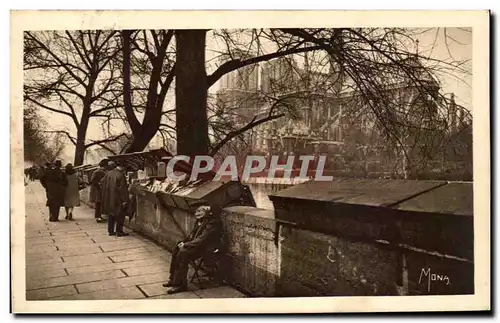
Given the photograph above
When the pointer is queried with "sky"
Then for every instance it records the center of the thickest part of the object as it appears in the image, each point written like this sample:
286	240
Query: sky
438	43
458	45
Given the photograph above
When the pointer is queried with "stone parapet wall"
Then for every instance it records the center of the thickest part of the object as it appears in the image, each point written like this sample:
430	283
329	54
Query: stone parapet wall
252	250
374	237
313	247
317	264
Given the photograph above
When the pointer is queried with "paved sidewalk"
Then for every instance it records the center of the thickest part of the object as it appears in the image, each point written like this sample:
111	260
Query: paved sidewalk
78	260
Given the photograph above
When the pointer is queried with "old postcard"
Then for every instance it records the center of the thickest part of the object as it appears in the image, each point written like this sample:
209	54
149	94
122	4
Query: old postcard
250	162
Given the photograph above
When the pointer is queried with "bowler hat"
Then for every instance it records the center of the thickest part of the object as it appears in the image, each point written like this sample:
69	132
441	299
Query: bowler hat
104	162
198	203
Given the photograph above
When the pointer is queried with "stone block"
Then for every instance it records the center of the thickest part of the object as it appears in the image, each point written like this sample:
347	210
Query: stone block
149	269
74	243
87	250
102	238
74	279
137	256
80	270
35	268
130	292
122	245
269	214
156	289
46	249
219	292
33	262
48	293
64	229
99	234
122	282
70	246
68	237
34	273
86	260
123	252
38	233
115	266
39	241
70	240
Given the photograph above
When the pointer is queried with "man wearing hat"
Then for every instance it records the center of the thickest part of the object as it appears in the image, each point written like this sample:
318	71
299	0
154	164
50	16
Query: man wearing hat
206	235
95	189
54	181
114	199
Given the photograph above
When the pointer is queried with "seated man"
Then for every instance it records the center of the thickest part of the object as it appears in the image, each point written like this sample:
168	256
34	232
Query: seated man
205	236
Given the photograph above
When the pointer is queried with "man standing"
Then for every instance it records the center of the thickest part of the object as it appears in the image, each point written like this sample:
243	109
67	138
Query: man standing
41	171
206	235
95	189
54	181
114	199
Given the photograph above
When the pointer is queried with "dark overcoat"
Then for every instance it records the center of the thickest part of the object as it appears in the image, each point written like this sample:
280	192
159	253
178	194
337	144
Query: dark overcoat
54	181
95	185
114	193
207	233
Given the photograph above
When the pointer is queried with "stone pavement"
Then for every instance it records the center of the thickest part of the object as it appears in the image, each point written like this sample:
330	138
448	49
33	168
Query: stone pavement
70	260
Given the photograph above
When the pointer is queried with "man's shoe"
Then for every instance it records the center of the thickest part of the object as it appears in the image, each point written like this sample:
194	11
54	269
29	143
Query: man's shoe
100	220
122	234
177	289
112	233
168	284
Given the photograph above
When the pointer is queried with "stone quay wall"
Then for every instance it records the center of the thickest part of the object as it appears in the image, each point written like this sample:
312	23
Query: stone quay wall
313	247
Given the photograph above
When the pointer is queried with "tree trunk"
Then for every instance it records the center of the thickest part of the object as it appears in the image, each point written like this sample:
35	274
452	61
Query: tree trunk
81	134
147	131
142	138
79	153
143	133
191	93
79	149
138	144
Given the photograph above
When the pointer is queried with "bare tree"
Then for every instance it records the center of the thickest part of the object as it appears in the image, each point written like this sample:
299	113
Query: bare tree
72	74
38	146
367	61
148	71
371	60
150	62
392	83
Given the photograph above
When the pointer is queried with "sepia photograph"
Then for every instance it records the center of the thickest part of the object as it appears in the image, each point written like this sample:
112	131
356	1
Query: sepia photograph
278	162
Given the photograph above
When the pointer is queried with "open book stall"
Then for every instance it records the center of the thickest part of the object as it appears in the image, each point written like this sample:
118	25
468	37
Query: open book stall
85	173
147	176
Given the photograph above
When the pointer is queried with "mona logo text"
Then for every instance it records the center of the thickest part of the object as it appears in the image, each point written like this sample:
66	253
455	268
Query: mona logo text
429	277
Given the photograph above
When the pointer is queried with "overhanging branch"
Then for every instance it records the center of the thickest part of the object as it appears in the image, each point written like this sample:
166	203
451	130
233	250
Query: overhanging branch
236	133
70	137
236	63
103	141
51	109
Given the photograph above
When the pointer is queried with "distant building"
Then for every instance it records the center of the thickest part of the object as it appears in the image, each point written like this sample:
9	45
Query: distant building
327	118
